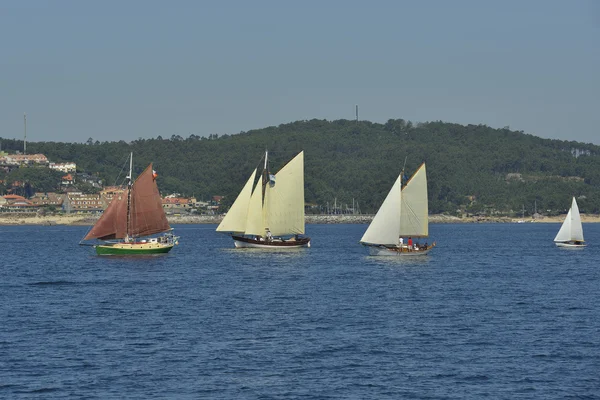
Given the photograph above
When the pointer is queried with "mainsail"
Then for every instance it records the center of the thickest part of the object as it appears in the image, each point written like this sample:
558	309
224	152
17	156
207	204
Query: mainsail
571	229
284	199
414	220
146	214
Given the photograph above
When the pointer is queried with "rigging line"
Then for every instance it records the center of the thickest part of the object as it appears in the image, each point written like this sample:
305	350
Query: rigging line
122	168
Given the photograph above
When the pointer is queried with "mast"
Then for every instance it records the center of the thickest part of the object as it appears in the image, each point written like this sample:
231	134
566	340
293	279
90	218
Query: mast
129	184
25	137
265	176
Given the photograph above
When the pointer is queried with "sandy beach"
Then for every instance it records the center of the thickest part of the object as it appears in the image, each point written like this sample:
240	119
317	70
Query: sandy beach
78	219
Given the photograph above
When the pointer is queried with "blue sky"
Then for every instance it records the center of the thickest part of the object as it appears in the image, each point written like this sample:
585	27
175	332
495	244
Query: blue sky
113	70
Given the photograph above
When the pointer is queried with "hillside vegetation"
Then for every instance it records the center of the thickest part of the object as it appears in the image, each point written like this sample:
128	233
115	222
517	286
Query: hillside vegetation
472	168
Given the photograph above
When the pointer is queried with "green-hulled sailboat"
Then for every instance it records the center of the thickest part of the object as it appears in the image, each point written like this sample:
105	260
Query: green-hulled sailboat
131	217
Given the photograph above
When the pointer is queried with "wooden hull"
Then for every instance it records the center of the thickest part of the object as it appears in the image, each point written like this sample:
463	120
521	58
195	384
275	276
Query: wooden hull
275	244
398	251
130	249
569	245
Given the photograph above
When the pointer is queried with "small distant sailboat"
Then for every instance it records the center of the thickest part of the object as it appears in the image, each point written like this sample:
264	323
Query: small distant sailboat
130	217
571	232
404	213
270	213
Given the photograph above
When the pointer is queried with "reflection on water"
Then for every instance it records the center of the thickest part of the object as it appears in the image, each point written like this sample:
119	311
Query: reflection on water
277	254
398	260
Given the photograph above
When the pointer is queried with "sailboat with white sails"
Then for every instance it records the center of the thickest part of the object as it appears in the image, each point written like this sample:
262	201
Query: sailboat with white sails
269	214
404	213
570	233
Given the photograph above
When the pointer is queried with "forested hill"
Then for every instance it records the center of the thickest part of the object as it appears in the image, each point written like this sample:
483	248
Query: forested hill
471	167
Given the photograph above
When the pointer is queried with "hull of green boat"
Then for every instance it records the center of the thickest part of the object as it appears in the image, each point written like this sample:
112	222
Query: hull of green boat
104	250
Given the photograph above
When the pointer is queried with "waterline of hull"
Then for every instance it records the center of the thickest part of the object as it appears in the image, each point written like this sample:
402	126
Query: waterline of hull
384	251
120	249
247	245
569	245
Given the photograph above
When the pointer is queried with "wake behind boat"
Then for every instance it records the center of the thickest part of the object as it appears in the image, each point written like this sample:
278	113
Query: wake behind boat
131	217
570	234
404	213
270	213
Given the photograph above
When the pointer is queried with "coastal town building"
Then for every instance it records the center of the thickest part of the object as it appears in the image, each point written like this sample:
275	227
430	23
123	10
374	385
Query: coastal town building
109	192
13	203
67	180
47	199
89	179
23	159
63	167
177	205
83	203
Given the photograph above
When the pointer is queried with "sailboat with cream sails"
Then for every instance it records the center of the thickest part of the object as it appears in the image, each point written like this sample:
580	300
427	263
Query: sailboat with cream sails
570	233
404	213
131	217
269	213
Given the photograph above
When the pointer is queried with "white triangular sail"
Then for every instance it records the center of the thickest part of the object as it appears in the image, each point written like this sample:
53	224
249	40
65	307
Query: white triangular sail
255	223
235	220
385	227
414	219
571	229
284	199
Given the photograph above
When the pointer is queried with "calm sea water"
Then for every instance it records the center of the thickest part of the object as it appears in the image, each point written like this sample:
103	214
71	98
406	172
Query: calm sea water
494	311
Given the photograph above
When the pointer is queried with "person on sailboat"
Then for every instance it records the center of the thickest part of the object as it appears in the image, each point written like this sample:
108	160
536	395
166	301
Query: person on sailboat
410	243
269	236
401	241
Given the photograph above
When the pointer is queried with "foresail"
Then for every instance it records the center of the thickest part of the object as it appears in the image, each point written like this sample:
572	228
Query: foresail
235	219
414	220
576	228
147	214
385	227
284	199
112	224
564	233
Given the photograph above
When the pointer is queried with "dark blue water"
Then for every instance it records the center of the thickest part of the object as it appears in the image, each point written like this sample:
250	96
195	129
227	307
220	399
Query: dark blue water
495	311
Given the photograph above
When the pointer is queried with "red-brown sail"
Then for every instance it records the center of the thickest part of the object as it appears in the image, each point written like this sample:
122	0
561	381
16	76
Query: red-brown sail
113	222
146	213
147	216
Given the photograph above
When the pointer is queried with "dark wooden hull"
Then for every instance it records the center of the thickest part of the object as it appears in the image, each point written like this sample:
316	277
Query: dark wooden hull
275	243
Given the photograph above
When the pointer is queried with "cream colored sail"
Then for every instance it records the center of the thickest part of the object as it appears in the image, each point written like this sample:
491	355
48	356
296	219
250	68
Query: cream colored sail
571	229
284	200
235	220
255	222
385	227
414	220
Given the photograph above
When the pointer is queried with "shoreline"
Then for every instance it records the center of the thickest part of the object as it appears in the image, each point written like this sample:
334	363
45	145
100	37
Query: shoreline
85	220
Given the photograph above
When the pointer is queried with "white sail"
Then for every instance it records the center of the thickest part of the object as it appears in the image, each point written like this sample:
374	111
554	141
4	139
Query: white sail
255	224
571	229
414	220
235	220
284	199
385	227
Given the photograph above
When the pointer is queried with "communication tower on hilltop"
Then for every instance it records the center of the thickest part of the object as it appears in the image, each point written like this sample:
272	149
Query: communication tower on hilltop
25	138
357	113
